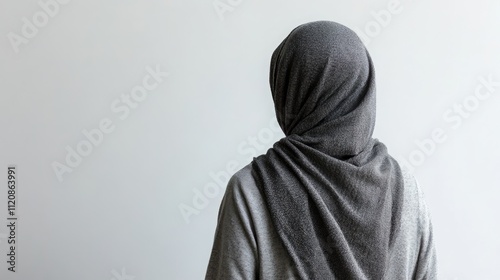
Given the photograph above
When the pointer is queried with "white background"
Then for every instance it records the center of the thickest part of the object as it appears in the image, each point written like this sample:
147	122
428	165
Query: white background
117	215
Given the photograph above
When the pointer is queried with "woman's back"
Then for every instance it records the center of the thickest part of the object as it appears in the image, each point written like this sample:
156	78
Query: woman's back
246	246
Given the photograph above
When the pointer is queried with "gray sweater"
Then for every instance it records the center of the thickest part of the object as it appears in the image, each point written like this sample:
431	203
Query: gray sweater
246	245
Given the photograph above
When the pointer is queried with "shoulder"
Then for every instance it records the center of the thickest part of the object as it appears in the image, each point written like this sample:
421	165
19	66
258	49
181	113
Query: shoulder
413	188
242	182
242	193
244	175
408	177
415	206
416	210
414	246
411	185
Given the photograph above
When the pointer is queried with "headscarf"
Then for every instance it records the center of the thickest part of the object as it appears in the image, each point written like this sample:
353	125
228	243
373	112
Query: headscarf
333	192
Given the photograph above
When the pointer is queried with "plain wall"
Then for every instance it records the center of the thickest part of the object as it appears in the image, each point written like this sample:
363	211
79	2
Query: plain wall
117	212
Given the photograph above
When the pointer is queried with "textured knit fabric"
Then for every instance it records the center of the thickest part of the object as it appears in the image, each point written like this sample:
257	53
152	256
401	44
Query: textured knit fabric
328	179
246	246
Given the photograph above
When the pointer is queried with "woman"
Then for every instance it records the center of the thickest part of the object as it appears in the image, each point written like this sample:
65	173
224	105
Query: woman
327	201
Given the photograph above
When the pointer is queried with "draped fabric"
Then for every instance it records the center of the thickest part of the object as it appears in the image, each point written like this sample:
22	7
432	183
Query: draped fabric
334	193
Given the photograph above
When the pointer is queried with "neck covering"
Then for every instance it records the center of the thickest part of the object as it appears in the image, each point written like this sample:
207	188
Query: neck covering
333	192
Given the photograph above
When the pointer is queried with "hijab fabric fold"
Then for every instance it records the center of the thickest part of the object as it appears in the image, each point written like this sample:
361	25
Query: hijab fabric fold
333	192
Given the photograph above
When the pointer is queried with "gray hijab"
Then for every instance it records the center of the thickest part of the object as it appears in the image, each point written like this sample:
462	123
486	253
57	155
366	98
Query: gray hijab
333	192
